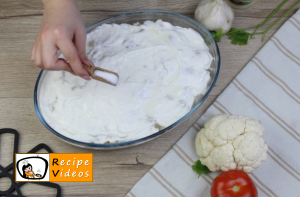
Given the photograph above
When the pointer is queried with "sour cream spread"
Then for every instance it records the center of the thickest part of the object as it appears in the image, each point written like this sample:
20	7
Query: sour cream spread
161	67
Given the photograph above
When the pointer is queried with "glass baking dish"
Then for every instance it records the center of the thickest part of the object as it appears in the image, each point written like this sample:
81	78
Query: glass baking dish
131	18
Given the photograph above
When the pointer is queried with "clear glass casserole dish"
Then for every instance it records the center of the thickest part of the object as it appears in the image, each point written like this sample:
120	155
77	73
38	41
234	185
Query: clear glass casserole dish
131	18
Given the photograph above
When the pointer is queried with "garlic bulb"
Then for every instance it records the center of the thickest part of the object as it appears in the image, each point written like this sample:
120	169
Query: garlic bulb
214	14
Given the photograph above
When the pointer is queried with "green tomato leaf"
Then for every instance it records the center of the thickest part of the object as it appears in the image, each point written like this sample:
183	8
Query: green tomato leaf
238	36
198	167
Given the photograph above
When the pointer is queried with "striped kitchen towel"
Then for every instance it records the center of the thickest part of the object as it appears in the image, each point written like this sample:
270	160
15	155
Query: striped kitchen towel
267	89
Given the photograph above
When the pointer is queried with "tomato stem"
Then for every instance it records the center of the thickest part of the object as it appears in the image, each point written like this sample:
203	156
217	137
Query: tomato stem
236	188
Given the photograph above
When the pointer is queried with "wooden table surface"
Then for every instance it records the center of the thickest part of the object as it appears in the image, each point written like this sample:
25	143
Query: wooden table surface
115	172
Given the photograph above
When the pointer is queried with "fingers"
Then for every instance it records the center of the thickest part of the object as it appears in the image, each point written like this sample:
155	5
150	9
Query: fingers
38	59
60	64
44	54
51	60
80	44
70	52
45	57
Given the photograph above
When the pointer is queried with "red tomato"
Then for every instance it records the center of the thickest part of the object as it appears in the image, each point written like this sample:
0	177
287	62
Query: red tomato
233	183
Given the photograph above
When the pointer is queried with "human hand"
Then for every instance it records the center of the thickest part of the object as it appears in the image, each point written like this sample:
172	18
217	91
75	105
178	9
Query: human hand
61	28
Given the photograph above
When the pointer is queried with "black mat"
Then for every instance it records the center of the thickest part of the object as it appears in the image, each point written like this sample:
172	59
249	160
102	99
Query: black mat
4	171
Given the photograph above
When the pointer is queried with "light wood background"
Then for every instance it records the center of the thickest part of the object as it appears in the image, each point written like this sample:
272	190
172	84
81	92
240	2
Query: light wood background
115	172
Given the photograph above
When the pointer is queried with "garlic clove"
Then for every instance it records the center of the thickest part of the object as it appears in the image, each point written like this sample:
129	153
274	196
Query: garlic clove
214	14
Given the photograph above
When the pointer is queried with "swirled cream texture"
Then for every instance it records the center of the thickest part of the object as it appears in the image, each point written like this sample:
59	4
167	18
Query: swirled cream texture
162	69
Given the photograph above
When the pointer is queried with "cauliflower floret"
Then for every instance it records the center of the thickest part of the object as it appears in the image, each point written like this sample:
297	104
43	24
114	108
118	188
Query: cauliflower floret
231	142
206	145
220	157
250	150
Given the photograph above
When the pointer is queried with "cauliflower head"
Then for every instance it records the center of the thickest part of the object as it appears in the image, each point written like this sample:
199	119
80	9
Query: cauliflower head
231	142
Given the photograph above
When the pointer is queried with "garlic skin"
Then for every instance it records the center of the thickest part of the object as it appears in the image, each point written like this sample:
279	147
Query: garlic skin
214	14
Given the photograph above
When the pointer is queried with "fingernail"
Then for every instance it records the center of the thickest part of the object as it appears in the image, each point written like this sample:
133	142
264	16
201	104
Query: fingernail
93	65
86	78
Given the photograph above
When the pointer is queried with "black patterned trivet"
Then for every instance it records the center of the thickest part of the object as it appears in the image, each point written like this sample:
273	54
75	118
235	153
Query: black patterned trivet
4	172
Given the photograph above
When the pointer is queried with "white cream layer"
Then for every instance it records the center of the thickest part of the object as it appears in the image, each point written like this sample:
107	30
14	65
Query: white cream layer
161	67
